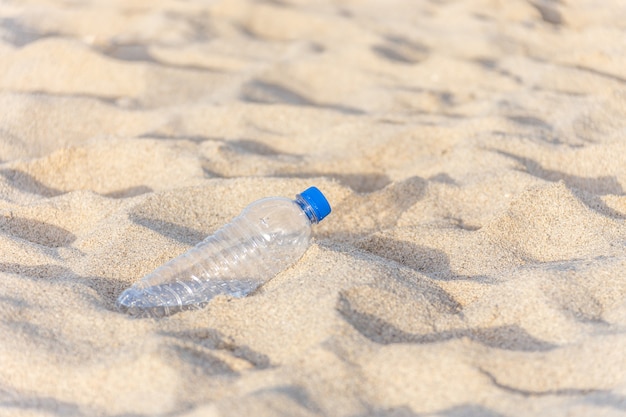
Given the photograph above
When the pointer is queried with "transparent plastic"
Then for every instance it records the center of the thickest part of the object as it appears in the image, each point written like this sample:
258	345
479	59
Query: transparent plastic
267	237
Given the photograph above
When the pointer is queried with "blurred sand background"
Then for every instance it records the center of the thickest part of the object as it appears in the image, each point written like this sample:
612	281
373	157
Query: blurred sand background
474	153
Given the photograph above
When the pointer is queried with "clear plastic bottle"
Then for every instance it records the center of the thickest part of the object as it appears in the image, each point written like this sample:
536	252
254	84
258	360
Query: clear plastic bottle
266	238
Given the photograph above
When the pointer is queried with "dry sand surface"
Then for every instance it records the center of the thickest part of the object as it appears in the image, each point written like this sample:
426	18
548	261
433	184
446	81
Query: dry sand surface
474	153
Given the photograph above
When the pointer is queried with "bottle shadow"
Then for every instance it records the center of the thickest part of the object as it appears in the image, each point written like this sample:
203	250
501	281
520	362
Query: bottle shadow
360	215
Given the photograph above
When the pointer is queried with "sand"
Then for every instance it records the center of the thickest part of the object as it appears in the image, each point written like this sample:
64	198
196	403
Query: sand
474	154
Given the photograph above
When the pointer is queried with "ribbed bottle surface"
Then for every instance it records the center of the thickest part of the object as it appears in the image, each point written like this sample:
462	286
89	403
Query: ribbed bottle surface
267	237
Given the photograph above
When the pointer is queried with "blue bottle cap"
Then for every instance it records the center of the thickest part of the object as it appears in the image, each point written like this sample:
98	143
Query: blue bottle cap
318	202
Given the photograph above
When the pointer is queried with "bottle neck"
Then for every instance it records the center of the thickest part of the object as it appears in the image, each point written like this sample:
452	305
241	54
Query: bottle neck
308	210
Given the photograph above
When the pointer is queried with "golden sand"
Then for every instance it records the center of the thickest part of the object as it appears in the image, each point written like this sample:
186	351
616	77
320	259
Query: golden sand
474	154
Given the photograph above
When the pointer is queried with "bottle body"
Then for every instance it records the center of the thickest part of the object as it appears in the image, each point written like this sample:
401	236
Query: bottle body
266	238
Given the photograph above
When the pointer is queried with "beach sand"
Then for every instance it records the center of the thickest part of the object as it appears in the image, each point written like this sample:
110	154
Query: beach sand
474	154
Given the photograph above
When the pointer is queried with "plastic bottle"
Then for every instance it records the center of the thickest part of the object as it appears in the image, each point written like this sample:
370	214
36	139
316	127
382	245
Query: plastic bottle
266	238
